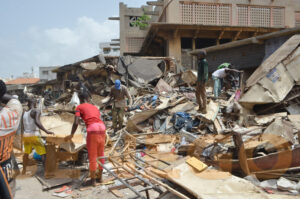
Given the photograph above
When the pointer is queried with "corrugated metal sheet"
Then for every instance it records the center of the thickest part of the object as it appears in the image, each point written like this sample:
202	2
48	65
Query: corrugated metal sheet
276	77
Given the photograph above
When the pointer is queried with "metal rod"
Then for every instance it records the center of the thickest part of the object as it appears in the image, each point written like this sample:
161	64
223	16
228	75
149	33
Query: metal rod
156	188
145	181
121	180
158	159
146	162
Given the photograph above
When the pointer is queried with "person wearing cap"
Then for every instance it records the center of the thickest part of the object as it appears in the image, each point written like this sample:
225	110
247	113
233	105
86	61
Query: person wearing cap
118	95
224	65
218	76
202	77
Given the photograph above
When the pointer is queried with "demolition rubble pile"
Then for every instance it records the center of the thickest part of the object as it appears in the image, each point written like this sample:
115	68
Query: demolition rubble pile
245	146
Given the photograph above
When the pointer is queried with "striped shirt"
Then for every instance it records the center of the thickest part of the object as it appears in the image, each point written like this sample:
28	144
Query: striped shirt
10	117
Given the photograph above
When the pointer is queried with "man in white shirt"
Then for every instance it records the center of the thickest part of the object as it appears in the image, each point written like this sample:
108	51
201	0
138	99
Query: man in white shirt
219	75
31	135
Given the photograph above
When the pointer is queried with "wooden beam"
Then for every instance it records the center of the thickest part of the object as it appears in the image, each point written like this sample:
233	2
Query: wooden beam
169	26
240	147
221	34
114	18
155	3
220	37
237	35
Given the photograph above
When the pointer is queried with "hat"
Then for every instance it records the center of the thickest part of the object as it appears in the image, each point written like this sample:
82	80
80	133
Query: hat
118	84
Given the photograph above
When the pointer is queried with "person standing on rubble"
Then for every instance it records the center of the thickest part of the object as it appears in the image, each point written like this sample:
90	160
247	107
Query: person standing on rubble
10	114
218	76
201	81
118	93
31	123
96	132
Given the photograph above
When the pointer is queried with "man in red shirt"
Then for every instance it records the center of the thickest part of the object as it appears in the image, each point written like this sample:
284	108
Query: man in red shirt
95	134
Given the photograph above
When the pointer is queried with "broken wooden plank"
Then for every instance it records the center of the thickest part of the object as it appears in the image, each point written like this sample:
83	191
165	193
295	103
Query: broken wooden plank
238	141
197	164
281	160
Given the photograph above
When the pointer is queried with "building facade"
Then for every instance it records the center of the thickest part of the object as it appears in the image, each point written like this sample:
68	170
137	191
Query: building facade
109	48
177	26
47	74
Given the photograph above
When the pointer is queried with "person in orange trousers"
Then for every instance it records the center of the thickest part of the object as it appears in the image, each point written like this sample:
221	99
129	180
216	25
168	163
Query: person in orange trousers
95	134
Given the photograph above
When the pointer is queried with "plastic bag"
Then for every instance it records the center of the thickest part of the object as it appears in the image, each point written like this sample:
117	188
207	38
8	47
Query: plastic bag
75	99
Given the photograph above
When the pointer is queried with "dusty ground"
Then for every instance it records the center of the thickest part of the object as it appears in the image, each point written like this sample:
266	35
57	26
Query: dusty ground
31	188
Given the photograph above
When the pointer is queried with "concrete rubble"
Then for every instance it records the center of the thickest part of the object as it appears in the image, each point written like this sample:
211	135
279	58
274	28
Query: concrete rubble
168	147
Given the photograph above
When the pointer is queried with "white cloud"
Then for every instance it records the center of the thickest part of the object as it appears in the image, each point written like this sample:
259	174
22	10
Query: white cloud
64	45
59	46
63	36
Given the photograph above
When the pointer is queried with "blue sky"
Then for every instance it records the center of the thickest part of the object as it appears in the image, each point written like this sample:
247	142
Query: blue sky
37	33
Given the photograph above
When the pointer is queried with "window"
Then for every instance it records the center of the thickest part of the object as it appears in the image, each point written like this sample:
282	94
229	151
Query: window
203	43
106	50
132	19
186	43
45	72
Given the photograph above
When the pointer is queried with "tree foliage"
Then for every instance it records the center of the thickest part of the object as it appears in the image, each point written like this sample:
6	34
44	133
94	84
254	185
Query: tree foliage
142	21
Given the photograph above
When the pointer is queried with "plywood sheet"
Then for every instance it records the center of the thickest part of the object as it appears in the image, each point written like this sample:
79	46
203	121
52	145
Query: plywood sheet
213	184
61	125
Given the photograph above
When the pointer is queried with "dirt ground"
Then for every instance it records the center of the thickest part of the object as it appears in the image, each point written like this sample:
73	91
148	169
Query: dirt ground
31	188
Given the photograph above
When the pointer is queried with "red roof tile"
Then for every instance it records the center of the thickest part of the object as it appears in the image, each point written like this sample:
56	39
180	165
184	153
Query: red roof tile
23	81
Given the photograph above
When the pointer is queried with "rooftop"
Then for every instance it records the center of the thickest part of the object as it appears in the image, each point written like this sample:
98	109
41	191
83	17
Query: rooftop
23	81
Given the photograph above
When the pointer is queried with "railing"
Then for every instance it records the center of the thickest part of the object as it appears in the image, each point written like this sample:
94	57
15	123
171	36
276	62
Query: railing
205	13
221	14
260	16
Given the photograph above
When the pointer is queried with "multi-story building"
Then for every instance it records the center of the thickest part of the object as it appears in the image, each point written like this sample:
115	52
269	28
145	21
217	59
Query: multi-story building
47	74
179	26
110	48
